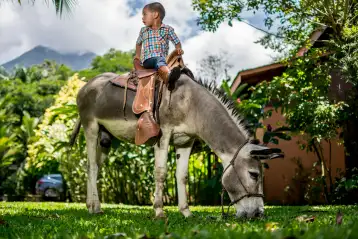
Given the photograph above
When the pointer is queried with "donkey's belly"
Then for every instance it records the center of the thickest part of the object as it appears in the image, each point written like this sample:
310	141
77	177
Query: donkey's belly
121	129
181	139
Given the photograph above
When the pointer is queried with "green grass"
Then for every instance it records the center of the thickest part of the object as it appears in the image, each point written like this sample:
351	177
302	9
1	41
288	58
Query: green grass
61	220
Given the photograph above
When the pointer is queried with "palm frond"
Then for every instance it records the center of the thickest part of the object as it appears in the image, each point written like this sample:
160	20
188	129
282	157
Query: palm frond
60	5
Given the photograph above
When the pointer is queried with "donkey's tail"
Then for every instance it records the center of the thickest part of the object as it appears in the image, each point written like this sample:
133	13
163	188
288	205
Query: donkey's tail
75	132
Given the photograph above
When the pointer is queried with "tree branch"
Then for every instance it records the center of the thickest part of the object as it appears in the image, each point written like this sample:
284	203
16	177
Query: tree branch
318	23
319	11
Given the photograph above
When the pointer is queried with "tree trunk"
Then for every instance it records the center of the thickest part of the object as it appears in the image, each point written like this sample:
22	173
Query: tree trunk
323	168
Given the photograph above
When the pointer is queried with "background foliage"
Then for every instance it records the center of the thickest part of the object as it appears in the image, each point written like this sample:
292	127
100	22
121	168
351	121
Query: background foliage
25	94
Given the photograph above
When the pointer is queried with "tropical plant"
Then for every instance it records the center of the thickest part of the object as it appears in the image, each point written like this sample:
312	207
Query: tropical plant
25	95
60	5
252	110
10	151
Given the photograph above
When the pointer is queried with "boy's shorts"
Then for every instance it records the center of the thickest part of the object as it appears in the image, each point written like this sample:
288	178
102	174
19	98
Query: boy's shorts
154	63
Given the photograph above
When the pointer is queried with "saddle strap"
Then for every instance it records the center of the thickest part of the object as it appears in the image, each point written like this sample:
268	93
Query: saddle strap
125	80
160	93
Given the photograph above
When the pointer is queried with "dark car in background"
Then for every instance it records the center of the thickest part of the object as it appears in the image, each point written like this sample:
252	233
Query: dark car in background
51	187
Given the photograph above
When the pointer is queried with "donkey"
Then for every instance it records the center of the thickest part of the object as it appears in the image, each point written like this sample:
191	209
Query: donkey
193	109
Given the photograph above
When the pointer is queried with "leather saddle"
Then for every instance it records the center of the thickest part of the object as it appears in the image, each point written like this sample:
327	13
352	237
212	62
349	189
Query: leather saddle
148	86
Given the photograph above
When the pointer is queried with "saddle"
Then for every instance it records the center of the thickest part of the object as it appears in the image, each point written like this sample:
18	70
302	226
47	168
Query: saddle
147	83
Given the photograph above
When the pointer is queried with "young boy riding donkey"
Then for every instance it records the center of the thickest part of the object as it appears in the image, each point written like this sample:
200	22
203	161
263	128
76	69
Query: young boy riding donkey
153	42
152	65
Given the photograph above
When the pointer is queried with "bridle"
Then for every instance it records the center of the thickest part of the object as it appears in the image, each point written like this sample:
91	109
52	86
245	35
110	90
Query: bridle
247	193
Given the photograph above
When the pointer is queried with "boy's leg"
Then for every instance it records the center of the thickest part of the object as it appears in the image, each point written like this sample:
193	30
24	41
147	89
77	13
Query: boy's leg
161	62
150	63
165	73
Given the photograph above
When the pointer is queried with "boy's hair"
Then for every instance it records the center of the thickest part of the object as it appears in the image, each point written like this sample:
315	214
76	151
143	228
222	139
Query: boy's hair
156	7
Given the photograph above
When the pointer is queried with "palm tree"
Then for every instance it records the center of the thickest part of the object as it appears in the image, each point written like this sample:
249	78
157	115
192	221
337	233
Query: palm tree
60	5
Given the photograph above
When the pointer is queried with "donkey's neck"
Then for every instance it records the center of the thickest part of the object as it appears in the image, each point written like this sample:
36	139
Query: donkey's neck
217	126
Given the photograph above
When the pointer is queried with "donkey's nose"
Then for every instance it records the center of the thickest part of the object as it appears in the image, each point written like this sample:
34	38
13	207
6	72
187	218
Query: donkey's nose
259	213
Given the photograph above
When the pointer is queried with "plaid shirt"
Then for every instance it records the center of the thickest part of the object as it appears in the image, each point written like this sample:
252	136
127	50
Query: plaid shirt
155	43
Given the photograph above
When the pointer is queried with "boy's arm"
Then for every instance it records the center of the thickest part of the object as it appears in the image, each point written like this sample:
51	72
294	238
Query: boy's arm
179	49
175	40
138	49
138	46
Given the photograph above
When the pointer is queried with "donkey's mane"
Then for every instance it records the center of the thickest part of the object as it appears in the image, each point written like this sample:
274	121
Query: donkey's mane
226	102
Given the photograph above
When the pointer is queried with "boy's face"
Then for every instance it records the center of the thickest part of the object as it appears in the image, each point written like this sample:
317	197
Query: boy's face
148	17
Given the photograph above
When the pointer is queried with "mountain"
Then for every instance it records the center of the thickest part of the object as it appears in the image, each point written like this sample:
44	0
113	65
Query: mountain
38	54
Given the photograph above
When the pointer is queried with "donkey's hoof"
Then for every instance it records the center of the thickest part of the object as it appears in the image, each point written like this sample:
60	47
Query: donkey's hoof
187	213
94	207
100	212
160	217
159	214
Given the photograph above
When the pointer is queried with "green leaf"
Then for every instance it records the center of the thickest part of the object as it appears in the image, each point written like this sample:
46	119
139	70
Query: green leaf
239	90
281	135
267	137
226	87
273	140
282	129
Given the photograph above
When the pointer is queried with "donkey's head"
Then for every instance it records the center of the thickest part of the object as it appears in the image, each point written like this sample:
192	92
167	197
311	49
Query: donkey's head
243	179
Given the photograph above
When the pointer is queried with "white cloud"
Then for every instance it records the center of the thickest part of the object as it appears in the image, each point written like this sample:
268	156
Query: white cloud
237	41
98	25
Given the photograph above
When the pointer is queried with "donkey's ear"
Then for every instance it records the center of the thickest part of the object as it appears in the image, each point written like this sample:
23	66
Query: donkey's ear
267	153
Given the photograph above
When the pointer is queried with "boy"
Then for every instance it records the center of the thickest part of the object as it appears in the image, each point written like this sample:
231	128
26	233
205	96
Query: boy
153	42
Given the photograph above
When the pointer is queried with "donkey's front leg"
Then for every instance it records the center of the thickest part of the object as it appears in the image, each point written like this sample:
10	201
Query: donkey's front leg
160	172
93	153
183	155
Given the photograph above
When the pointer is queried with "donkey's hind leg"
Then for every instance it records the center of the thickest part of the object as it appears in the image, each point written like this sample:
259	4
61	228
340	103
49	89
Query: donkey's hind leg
95	155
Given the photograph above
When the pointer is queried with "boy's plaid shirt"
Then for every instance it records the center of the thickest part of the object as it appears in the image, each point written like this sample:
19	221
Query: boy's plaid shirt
155	43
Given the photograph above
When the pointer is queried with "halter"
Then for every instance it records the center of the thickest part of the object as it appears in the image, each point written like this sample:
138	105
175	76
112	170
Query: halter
247	194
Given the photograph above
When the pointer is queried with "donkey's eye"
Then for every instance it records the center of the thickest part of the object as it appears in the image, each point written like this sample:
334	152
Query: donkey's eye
254	175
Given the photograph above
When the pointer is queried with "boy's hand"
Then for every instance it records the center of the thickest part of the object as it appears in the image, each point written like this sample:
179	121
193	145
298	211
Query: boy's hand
180	51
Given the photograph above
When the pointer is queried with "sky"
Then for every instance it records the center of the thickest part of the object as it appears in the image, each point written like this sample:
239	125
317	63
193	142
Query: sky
97	25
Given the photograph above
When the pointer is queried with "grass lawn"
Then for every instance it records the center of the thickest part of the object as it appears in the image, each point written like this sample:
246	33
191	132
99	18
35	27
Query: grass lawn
62	220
